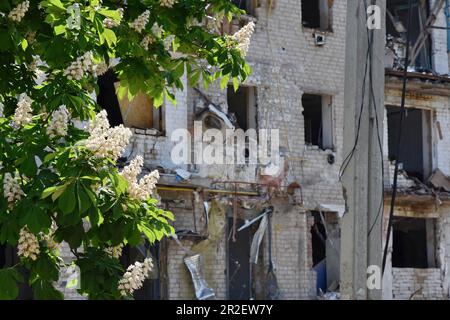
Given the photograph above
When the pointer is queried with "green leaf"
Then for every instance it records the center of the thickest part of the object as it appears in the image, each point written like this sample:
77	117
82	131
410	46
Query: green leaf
113	14
44	290
59	190
110	37
9	289
224	82
48	191
57	3
37	219
194	76
60	29
95	216
158	100
67	201
235	84
24	44
84	202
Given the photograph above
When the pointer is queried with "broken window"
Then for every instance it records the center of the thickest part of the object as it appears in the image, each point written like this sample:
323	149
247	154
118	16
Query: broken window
396	24
242	104
413	243
137	113
325	242
316	14
415	148
247	5
317	115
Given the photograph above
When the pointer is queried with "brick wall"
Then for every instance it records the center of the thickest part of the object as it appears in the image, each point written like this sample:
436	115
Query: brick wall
416	284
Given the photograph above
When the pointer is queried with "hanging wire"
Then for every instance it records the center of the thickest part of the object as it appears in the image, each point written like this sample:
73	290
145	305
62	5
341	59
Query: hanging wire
399	137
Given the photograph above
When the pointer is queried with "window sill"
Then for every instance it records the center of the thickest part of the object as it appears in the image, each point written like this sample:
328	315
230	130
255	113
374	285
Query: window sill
147	132
327	32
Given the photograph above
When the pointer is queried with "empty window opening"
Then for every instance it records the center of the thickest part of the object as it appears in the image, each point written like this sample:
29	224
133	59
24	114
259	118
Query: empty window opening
137	113
415	148
242	104
316	14
317	115
239	268
413	243
397	22
247	5
325	240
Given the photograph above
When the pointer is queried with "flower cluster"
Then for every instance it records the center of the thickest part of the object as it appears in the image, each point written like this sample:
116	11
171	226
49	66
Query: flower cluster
101	68
143	189
59	123
114	252
168	41
243	37
28	246
48	238
157	30
11	188
105	141
140	22
167	3
134	277
19	12
23	114
148	40
2	107
79	67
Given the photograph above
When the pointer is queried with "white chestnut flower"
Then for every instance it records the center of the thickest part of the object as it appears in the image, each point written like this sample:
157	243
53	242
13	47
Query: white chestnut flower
28	246
140	22
157	30
11	188
114	252
101	68
49	240
104	141
19	12
168	41
167	3
58	123
2	108
243	37
148	40
144	188
134	277
23	114
77	69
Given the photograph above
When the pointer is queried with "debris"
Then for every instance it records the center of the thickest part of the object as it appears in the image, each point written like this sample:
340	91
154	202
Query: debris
329	296
273	291
440	181
195	265
257	238
250	222
182	175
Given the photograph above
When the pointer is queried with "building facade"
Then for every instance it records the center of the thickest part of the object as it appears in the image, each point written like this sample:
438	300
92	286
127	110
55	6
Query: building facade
298	57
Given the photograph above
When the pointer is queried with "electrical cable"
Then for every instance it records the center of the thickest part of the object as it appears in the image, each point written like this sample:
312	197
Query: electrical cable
399	137
349	157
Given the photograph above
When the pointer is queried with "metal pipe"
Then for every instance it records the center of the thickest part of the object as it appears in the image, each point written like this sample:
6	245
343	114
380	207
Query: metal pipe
241	193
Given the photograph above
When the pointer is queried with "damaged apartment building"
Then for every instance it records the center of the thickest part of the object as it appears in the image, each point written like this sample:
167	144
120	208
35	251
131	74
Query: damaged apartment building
419	255
244	234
